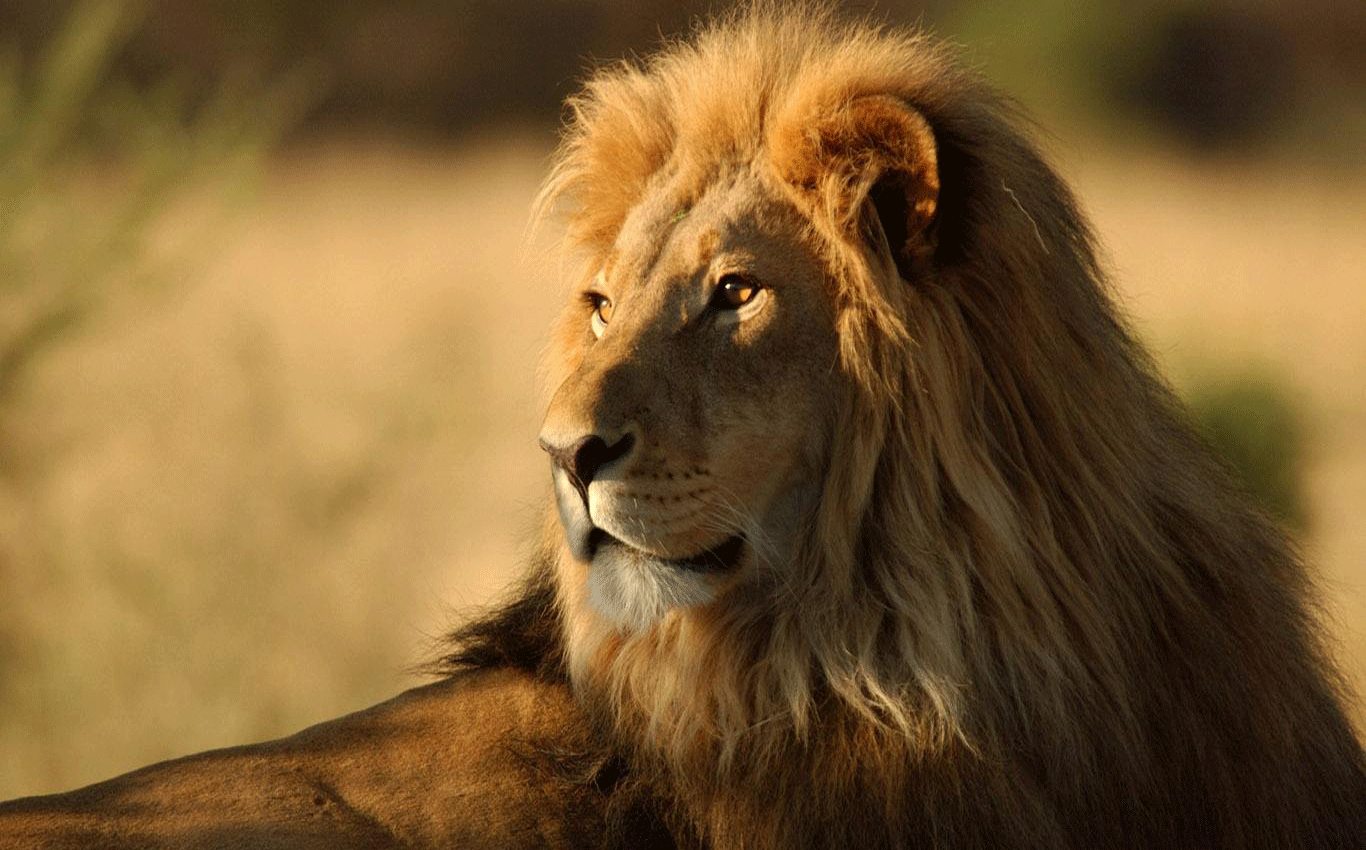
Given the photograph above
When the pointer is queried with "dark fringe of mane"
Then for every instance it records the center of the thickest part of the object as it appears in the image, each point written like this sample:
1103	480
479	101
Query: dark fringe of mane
521	634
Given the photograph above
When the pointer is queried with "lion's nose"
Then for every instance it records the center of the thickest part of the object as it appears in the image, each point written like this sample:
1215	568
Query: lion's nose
585	457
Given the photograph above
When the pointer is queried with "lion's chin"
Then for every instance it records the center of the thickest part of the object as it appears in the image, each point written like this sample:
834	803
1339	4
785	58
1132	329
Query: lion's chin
633	589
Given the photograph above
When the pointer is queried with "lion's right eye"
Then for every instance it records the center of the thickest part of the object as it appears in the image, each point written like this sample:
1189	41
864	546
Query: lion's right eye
734	291
602	313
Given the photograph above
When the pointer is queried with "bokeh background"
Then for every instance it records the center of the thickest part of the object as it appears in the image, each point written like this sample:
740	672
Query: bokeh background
269	318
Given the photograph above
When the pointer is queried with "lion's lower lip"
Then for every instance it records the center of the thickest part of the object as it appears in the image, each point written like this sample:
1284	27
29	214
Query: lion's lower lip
722	558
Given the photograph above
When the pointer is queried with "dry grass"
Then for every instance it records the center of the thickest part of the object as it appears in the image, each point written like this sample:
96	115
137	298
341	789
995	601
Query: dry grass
249	502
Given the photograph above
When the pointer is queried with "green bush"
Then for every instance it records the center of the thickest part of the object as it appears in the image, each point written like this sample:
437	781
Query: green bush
1253	422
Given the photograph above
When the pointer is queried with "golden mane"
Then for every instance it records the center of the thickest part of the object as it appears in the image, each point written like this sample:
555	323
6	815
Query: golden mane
1032	604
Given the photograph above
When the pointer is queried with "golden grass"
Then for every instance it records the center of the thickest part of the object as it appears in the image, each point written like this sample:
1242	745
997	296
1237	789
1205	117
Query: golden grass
249	503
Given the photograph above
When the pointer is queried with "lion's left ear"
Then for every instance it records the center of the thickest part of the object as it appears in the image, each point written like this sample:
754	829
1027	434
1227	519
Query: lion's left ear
874	154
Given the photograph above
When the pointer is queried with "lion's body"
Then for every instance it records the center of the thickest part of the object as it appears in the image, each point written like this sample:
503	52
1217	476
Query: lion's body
876	527
462	763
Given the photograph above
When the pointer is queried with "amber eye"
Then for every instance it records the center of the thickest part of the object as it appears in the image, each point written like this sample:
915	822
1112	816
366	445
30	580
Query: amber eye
733	292
602	313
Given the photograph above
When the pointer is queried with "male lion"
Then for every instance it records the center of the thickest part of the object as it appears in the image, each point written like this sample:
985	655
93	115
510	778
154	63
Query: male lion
875	527
878	529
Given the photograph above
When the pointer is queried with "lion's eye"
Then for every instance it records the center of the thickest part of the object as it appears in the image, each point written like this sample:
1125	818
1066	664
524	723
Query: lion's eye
733	292
602	313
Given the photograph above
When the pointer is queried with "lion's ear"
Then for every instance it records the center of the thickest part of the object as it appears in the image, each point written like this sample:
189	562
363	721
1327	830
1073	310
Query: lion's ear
873	157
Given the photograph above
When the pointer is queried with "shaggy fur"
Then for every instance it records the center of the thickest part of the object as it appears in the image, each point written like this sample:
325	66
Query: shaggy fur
1031	611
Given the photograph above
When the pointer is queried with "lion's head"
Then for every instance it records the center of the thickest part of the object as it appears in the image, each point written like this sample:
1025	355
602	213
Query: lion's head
789	376
866	497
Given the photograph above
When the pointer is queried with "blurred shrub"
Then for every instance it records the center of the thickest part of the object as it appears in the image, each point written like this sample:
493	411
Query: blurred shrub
90	164
1214	73
1216	76
106	189
1253	422
1227	74
432	65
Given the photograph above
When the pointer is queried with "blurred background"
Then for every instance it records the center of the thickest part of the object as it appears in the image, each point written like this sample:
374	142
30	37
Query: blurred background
269	318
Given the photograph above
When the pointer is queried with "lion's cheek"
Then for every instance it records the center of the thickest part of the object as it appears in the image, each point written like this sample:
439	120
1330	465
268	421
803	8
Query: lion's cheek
770	467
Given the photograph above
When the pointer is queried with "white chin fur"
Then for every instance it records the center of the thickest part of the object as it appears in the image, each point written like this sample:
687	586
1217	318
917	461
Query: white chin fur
632	591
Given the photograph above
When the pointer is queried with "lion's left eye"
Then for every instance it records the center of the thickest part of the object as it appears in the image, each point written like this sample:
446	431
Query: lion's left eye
734	291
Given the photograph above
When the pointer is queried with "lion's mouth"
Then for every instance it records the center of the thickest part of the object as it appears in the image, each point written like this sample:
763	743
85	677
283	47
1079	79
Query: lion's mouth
722	558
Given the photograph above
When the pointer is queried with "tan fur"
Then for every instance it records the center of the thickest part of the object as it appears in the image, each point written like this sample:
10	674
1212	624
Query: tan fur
455	764
1025	607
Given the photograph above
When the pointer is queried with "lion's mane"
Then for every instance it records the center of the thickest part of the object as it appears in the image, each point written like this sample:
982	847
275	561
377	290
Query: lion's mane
1033	610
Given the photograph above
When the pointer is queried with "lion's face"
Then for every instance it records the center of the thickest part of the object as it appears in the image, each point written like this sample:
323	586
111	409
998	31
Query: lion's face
689	439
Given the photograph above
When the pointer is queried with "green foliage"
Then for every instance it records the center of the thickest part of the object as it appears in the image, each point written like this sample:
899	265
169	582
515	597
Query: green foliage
90	166
1253	422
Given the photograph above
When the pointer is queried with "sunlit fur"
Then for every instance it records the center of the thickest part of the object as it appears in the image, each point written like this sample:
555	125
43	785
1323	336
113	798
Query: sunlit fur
1031	609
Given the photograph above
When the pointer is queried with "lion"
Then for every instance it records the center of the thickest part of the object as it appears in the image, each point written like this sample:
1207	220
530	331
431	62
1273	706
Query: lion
872	525
876	526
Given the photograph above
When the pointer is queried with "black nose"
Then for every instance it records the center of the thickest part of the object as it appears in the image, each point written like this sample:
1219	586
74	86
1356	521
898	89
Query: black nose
584	458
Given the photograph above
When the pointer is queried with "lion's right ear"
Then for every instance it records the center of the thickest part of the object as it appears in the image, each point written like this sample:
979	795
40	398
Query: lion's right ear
877	152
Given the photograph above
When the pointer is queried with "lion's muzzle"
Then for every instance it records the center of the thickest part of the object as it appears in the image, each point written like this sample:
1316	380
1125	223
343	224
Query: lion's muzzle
574	465
642	545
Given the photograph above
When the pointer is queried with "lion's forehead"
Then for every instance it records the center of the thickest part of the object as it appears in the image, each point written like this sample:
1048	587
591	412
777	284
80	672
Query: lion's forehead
677	223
